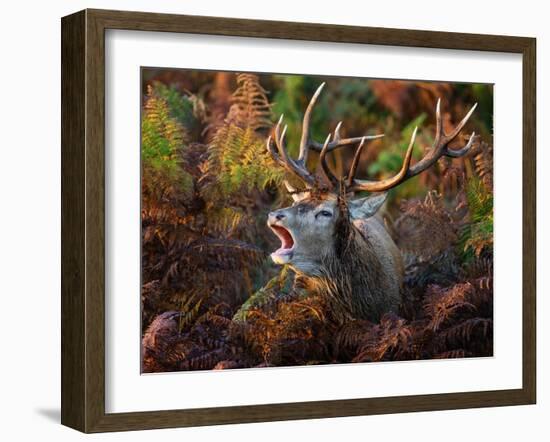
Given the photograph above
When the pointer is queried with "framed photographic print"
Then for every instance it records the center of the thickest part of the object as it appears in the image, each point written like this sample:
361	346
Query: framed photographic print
268	221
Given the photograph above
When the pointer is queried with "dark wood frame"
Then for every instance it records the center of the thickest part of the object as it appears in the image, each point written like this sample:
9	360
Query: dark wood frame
83	216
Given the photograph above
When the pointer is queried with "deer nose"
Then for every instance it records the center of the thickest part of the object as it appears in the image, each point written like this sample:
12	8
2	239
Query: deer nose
276	216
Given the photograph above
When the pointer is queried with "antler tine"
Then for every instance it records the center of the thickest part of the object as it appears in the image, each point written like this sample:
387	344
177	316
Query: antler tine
269	139
439	149
355	162
282	157
289	187
457	153
332	180
460	125
440	145
280	142
388	183
438	122
337	136
270	149
305	141
314	145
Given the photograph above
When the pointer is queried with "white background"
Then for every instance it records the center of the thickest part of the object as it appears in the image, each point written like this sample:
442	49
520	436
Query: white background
30	190
128	391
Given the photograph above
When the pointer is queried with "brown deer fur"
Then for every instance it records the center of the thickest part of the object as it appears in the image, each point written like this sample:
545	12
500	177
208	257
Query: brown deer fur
353	262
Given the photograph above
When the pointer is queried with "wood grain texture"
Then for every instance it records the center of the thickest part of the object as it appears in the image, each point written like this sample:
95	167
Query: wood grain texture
144	21
73	255
529	220
95	221
83	220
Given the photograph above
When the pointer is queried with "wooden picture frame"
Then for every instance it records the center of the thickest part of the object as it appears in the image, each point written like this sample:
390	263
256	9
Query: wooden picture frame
83	220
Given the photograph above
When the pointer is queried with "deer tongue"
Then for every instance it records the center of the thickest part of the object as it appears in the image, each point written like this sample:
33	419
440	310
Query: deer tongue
284	253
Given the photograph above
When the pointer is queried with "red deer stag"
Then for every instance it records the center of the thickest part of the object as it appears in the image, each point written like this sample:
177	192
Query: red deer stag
335	243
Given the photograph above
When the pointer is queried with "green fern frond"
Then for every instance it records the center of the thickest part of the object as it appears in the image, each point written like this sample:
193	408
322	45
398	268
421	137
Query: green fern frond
162	140
477	235
187	109
238	160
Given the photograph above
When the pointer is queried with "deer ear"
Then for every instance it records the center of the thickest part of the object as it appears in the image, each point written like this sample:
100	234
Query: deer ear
296	196
368	206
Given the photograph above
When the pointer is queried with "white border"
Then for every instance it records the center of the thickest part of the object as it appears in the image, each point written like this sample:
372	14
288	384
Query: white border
127	390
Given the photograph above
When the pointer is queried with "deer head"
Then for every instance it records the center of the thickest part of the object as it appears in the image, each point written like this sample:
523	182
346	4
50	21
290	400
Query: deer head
324	210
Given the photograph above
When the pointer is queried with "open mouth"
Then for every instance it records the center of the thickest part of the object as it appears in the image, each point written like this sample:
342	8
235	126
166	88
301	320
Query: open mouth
283	254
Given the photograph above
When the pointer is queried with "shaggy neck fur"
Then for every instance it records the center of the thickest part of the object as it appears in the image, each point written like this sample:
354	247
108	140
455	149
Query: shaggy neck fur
351	277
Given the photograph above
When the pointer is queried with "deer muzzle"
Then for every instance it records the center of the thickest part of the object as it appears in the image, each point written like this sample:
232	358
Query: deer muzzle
283	254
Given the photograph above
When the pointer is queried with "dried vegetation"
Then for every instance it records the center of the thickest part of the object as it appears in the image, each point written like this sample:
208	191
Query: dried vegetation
207	185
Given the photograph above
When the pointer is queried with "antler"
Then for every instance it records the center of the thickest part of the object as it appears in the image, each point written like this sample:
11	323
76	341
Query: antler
337	141
298	166
439	149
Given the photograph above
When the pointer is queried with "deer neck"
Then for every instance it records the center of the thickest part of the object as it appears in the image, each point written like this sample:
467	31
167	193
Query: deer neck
351	277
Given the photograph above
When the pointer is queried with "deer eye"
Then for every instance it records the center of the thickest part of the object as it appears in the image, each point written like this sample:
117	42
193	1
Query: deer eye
323	213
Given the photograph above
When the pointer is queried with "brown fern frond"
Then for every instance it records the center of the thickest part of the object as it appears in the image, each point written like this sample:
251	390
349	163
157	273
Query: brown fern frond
441	304
294	333
461	334
425	228
161	330
483	160
479	268
350	337
392	336
205	361
452	354
227	365
250	106
162	344
452	181
218	321
482	295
